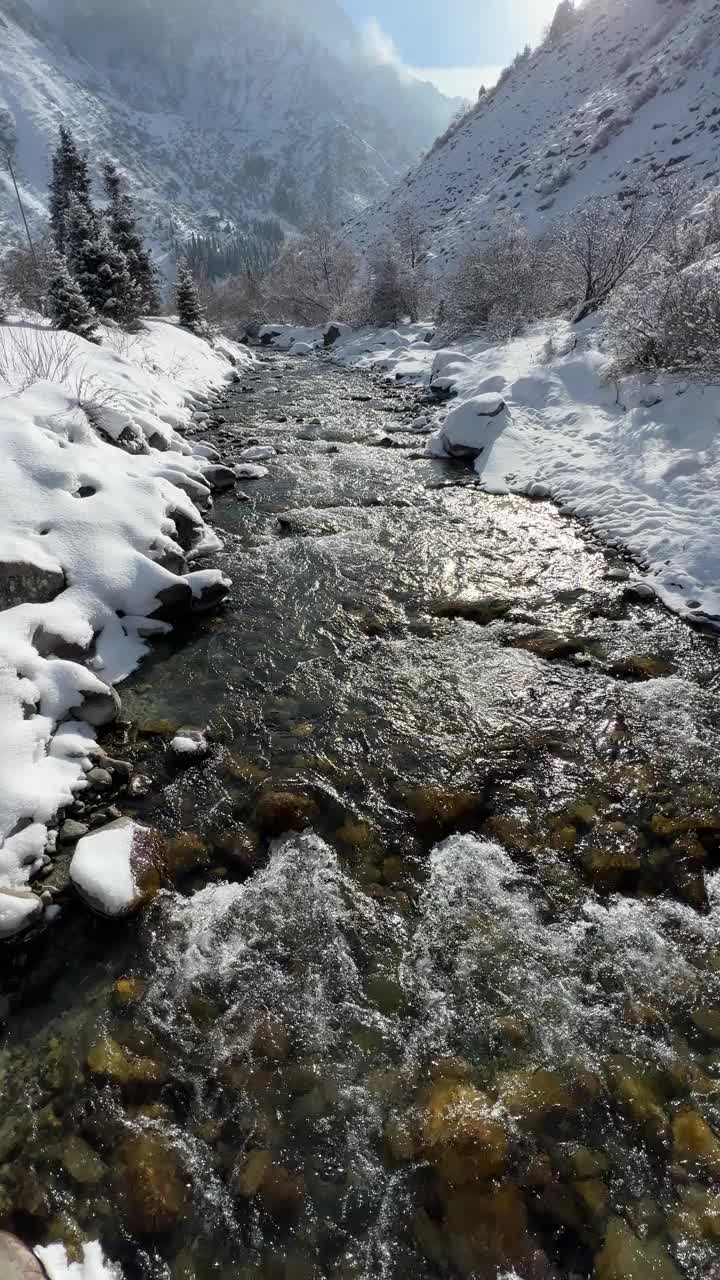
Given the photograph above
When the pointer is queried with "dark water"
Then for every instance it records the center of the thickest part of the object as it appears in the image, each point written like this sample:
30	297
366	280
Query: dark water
465	1020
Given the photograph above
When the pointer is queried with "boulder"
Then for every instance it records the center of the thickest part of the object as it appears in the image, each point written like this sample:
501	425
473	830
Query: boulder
219	477
116	869
22	582
99	707
19	910
16	1260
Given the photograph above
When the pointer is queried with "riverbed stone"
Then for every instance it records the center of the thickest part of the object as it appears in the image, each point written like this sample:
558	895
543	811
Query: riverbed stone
533	1098
72	831
697	1216
482	611
642	666
22	582
114	1062
152	1183
16	1260
99	707
639	1093
276	812
486	1232
248	1175
696	1148
128	993
625	1257
440	811
461	1135
707	1021
549	645
81	1162
239	846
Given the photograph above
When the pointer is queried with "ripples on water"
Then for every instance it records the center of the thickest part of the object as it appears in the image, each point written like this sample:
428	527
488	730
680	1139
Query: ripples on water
331	1048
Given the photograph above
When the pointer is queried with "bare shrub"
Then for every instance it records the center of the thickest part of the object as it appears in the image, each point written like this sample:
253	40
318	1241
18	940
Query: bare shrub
669	318
36	355
309	282
596	247
24	277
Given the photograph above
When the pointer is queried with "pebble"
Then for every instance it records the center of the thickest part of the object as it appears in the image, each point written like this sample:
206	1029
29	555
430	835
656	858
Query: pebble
71	831
101	778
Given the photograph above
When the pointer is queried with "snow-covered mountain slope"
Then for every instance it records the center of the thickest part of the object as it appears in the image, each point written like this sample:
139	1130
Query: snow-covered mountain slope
630	95
223	113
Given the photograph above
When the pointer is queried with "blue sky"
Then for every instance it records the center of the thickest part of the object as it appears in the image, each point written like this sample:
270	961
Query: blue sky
457	43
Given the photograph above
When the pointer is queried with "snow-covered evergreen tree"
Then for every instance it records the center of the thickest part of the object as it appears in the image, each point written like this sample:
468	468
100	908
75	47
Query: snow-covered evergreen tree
99	267
190	312
122	224
70	179
66	304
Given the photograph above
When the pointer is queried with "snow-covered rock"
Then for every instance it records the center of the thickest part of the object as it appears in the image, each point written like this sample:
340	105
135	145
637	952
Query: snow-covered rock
257	453
115	868
471	428
190	745
250	471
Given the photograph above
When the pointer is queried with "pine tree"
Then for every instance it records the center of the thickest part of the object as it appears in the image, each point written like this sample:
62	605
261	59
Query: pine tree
67	306
190	312
122	224
99	267
70	178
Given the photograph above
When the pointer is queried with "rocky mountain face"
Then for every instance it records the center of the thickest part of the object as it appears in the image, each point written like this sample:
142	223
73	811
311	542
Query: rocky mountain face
629	96
229	113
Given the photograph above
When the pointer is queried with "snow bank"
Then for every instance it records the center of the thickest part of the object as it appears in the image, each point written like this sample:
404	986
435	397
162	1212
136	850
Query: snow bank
93	1267
99	527
639	459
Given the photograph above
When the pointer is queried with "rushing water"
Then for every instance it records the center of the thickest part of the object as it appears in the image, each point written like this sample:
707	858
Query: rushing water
465	1020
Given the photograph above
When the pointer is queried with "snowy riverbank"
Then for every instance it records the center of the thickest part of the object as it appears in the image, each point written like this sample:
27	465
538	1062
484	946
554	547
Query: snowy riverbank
639	459
101	539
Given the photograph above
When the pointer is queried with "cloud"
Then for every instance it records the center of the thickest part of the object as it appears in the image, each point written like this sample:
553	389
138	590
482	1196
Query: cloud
459	82
455	82
379	46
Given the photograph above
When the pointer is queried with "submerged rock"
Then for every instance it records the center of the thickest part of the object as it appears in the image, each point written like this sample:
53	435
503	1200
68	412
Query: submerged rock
461	1137
279	811
113	1061
483	611
642	666
153	1185
696	1148
625	1257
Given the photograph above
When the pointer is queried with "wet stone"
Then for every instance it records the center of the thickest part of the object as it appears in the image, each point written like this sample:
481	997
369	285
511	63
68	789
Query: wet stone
152	1183
81	1162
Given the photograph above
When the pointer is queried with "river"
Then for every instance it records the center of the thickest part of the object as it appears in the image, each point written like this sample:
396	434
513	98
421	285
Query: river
441	997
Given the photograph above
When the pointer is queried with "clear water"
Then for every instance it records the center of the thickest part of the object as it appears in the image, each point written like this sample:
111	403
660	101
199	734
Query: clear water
490	887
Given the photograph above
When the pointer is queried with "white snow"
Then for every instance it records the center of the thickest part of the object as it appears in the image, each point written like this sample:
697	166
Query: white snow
639	459
101	869
249	471
93	1267
97	520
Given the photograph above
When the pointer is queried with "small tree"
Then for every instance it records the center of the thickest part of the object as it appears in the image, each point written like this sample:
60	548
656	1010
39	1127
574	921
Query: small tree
67	306
190	311
387	301
122	224
70	178
99	267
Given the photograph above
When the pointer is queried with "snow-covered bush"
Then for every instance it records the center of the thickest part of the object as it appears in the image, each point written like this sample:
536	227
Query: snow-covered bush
667	317
498	289
28	355
24	276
